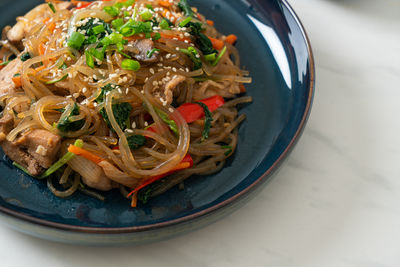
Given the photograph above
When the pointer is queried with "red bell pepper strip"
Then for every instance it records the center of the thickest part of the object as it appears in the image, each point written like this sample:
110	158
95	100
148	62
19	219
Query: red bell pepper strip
187	162
191	111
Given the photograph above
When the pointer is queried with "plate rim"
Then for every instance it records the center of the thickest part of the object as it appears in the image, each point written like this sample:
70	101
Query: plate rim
262	178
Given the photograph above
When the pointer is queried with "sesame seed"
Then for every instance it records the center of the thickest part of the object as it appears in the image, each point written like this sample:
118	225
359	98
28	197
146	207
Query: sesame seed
84	90
129	130
174	69
171	110
151	70
133	125
146	124
76	95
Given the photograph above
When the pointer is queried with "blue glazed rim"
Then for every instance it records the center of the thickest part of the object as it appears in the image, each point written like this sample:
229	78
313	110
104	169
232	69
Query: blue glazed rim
258	182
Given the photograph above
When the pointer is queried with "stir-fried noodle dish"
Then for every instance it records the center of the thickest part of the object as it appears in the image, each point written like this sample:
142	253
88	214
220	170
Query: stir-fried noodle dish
130	95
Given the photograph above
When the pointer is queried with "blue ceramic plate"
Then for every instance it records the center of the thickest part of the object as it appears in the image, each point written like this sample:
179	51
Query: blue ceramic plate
276	51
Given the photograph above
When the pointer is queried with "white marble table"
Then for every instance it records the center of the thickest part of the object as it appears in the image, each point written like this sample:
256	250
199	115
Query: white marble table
337	200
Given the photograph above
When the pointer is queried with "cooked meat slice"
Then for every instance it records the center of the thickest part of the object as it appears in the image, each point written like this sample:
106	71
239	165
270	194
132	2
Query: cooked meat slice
144	46
42	145
92	174
7	85
6	125
171	85
17	154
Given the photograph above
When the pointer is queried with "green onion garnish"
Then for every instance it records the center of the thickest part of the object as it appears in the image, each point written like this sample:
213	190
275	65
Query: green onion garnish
150	53
98	29
52	7
89	59
146	14
76	40
5	63
112	10
185	21
130	64
150	7
117	23
211	57
164	25
220	55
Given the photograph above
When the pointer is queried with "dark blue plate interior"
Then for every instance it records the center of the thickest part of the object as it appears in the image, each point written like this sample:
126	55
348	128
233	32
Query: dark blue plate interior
274	49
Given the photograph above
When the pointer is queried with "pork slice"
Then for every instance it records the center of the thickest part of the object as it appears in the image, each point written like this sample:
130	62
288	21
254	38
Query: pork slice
144	46
42	145
7	85
17	154
6	125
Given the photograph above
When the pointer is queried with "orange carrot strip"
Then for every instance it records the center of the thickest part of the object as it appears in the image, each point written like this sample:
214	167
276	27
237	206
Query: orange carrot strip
17	81
134	200
170	36
165	3
46	20
231	39
210	22
42	49
217	44
52	26
84	153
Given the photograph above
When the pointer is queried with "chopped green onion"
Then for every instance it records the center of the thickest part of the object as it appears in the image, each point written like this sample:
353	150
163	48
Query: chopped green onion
150	7
25	56
63	160
128	3
165	118
96	53
76	40
130	64
220	55
117	23
57	80
150	53
211	57
185	21
208	120
156	36
5	63
112	10
126	14
193	55
52	7
164	25
17	75
146	14
98	29
89	59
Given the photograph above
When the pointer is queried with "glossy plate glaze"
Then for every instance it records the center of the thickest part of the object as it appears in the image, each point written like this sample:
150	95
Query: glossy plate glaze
276	51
